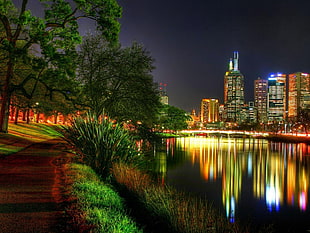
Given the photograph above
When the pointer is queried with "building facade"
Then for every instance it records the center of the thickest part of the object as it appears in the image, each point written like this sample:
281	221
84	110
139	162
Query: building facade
298	94
233	91
209	110
260	99
276	106
249	113
164	99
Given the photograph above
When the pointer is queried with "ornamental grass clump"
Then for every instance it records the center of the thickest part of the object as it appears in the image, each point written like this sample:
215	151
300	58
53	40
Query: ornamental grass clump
101	142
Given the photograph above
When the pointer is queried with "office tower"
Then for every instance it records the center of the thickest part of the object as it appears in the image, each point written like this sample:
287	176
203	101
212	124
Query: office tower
298	94
204	111
276	107
163	94
209	111
260	98
233	91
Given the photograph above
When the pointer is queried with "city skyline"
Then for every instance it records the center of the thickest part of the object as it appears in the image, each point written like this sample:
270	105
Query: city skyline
192	42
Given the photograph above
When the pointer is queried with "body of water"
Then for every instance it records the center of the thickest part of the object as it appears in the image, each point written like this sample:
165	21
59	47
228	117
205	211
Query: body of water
250	180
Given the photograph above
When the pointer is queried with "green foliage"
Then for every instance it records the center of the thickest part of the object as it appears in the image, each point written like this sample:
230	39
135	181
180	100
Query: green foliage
118	81
101	142
172	118
46	47
103	207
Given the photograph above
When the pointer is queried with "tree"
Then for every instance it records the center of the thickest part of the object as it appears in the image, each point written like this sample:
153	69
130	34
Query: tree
118	81
173	118
51	41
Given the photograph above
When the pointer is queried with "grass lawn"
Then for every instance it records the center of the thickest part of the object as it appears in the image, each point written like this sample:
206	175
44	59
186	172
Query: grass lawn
22	135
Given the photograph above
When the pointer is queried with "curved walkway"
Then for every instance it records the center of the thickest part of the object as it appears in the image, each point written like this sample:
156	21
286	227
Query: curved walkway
31	189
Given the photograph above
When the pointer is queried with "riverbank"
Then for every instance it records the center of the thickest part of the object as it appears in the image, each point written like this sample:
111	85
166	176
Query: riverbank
88	201
288	138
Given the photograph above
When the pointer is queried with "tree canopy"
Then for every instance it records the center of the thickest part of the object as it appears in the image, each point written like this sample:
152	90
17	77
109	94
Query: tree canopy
118	81
172	118
46	46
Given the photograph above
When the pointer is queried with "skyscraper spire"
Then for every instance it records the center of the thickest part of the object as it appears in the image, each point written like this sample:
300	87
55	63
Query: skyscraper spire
236	58
233	91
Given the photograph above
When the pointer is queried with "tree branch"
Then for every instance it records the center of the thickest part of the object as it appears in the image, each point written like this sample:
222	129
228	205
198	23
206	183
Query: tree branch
6	25
19	26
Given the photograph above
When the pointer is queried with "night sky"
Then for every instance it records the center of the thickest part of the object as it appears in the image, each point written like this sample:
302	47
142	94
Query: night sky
192	41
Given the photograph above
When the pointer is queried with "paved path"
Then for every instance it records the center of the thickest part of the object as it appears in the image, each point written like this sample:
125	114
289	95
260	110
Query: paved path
31	186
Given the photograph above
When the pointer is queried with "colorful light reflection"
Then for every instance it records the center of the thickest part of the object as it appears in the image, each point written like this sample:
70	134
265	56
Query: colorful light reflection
272	198
279	172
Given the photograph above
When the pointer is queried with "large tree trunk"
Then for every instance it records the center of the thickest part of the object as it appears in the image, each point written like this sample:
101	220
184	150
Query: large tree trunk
5	99
4	112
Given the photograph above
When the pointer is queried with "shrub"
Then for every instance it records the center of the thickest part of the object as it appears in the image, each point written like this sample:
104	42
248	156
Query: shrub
101	142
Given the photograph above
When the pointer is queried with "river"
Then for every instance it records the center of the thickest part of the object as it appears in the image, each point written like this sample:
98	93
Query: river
254	181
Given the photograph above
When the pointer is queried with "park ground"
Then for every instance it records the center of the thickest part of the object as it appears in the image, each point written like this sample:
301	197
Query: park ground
32	180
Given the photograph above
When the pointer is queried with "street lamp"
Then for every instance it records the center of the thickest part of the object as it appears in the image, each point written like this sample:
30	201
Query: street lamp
37	111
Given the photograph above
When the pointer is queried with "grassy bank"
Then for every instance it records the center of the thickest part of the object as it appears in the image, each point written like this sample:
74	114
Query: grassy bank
173	210
101	207
95	206
106	146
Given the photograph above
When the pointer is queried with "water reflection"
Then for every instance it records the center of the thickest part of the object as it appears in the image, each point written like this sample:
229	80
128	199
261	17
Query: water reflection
278	172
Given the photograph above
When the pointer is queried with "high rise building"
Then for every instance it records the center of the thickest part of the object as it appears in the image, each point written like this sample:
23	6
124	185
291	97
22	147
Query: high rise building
298	94
209	111
276	107
204	111
260	98
233	91
164	99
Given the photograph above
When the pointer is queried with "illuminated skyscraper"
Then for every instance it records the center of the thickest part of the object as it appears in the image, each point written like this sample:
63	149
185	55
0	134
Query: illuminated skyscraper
209	111
233	91
298	94
260	96
276	97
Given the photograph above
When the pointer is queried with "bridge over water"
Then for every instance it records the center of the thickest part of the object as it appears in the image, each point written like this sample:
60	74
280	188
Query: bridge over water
224	132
